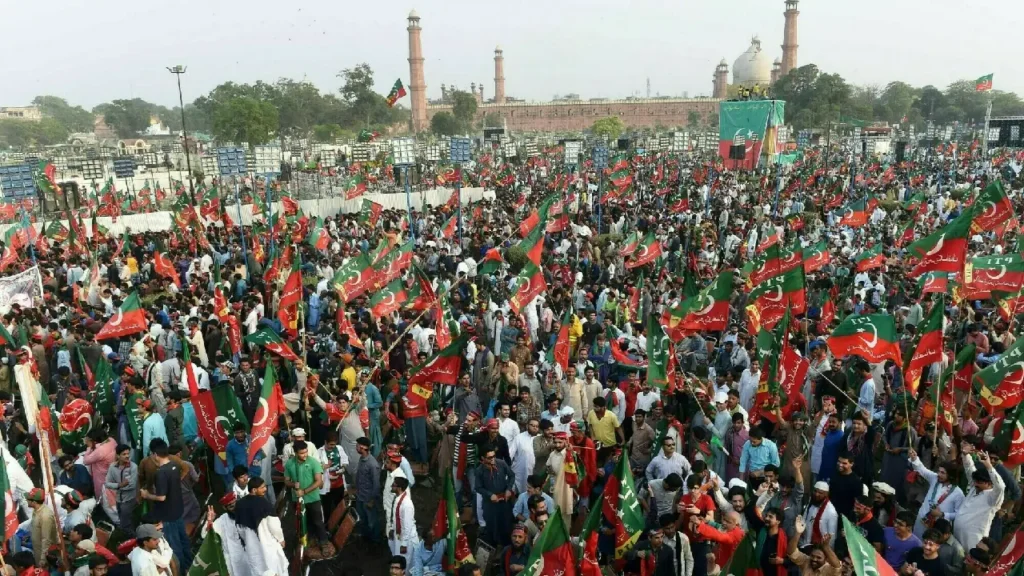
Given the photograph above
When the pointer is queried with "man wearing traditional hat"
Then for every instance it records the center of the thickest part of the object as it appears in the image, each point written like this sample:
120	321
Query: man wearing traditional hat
584	447
79	509
497	441
227	528
43	525
820	518
513	558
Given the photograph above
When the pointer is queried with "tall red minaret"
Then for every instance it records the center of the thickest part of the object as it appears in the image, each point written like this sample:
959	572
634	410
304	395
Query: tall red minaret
499	76
721	85
789	42
417	83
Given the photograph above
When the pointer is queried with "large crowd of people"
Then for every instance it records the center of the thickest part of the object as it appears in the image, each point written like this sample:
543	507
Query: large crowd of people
269	384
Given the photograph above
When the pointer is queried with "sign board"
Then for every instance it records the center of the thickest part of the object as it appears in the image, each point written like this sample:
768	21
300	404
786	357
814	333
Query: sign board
24	289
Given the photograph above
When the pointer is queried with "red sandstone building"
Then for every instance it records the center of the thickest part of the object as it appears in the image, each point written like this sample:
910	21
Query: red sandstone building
576	115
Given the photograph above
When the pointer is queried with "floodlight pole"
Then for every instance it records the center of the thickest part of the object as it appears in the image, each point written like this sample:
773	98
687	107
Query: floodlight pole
241	229
408	200
458	195
178	71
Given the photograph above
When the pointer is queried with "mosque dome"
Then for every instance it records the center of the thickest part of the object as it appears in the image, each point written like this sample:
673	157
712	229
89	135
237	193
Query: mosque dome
753	66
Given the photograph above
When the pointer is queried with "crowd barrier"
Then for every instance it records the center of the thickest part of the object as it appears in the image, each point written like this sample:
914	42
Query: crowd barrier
160	221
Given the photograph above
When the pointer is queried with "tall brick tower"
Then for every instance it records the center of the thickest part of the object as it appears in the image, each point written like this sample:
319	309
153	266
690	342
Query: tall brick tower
721	86
499	76
417	83
789	44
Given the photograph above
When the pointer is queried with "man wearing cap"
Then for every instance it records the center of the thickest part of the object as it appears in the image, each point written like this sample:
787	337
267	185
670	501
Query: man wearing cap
391	462
795	437
152	427
298	435
584	448
43	525
820	518
228	528
494	439
149	556
79	509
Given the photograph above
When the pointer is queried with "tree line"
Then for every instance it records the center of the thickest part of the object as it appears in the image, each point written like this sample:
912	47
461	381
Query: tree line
255	113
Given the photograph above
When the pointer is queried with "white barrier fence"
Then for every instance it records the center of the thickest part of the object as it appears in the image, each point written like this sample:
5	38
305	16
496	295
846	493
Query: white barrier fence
160	221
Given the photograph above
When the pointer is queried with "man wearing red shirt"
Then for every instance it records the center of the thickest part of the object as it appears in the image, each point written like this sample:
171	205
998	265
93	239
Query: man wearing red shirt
728	538
584	447
695	503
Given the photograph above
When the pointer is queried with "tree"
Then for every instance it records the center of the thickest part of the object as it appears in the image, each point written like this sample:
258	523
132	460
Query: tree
896	101
73	118
444	124
609	127
464	108
126	117
24	133
364	108
326	132
692	119
929	100
245	119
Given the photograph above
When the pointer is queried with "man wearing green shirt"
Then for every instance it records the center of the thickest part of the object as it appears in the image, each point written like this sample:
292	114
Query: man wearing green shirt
304	476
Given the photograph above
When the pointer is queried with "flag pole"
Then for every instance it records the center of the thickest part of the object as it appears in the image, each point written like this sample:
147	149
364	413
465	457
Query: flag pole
44	455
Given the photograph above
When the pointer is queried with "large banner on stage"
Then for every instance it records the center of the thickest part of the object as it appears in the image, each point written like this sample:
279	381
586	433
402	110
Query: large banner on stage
744	127
24	289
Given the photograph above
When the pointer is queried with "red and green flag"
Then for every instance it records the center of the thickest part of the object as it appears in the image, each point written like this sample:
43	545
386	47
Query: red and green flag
707	311
991	208
491	263
933	282
442	368
559	353
942	251
646	252
529	284
816	257
355	187
621	508
389	299
630	244
745	560
871	336
775	295
870	259
103	392
450	227
659	356
1009	304
270	408
988	274
983	84
163	266
127	320
397	92
553	553
291	298
272	342
447	526
929	346
10	521
533	245
1001	384
906	234
369	214
354	278
318	236
828	312
765	265
866	560
855	214
392	264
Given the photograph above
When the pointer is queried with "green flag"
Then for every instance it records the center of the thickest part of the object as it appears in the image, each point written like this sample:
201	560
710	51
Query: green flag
209	561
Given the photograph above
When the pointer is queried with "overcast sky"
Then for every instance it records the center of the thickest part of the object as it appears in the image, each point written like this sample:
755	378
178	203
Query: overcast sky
92	52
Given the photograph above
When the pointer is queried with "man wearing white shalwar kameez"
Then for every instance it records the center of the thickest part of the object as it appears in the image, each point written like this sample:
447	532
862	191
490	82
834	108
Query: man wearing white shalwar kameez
521	452
402	535
230	539
983	500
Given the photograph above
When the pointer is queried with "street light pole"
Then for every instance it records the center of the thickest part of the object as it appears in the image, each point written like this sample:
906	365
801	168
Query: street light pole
178	71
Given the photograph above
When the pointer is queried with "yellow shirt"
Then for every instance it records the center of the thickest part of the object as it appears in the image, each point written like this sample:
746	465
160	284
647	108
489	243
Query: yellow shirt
349	376
133	265
603	428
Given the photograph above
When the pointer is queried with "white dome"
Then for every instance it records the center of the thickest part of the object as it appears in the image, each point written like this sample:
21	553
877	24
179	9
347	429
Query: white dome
753	66
413	15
